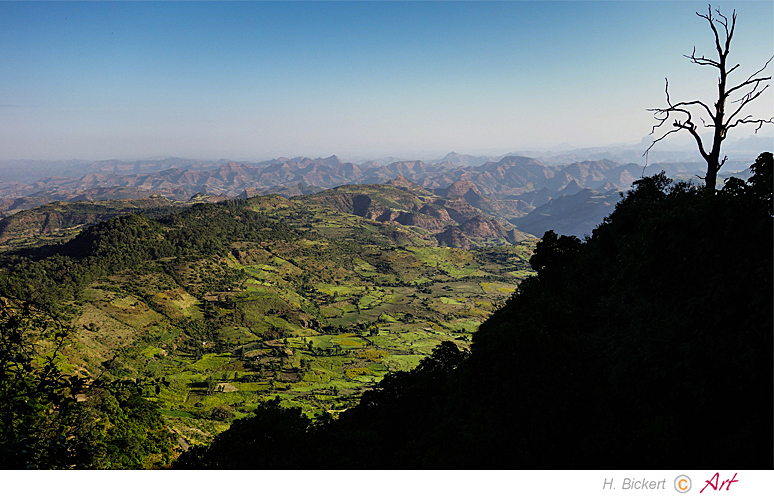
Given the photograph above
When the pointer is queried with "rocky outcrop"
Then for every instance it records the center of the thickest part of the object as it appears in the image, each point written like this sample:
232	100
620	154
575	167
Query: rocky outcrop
420	220
454	237
248	193
464	189
401	182
436	212
458	209
481	227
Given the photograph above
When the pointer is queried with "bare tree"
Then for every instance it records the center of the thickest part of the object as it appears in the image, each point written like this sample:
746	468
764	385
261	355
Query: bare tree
721	119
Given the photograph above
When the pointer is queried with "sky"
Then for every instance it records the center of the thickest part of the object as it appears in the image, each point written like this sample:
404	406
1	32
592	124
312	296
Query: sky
258	80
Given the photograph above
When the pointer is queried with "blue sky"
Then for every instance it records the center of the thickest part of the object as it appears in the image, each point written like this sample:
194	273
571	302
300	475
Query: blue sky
256	80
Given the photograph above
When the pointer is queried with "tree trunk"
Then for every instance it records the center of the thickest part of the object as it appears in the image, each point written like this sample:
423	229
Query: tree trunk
711	179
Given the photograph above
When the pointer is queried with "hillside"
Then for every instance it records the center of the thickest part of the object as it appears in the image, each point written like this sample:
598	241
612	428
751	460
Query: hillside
404	203
214	309
503	189
398	202
575	214
626	350
59	219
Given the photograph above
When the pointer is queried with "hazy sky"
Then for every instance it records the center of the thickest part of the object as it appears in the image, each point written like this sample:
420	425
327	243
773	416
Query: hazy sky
256	80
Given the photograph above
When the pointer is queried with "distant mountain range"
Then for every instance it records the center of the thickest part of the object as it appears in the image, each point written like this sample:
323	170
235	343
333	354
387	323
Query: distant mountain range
530	194
511	175
403	210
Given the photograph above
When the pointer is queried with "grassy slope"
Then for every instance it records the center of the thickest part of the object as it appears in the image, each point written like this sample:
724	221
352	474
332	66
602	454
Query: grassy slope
316	320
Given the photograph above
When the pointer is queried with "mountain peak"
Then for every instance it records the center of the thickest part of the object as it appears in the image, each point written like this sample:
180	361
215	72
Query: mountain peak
462	187
331	161
571	188
403	183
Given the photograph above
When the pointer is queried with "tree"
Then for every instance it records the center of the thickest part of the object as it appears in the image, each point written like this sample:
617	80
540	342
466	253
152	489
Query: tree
274	430
116	428
37	400
211	384
722	118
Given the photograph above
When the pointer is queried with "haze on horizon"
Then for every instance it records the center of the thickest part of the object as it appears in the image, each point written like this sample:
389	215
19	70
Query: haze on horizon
257	80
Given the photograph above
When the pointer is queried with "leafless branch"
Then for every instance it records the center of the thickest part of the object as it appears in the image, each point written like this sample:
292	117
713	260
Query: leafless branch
711	21
678	125
748	82
750	79
723	22
748	96
696	103
746	119
662	115
702	61
678	107
645	154
745	100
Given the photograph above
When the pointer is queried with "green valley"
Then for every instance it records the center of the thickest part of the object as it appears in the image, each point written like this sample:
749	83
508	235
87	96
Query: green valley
216	309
